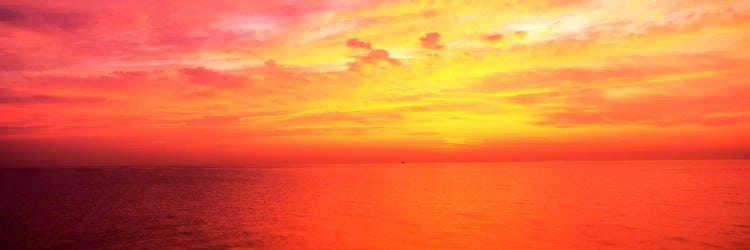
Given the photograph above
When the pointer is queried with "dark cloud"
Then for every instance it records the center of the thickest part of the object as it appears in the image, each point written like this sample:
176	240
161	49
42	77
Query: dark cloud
14	60
8	96
431	41
16	130
42	19
10	62
356	43
9	15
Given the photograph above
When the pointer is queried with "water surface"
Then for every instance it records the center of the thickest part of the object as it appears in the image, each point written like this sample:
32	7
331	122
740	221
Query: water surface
569	205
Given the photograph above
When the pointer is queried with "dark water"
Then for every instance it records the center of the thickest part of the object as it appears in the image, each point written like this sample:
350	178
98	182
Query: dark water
572	205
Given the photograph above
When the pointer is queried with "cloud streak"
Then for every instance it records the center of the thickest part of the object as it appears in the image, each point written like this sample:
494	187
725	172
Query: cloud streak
17	97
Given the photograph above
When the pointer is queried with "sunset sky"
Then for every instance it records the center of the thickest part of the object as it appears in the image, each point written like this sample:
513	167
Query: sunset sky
265	82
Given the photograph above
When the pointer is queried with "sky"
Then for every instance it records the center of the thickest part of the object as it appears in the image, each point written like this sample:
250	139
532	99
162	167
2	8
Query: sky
267	82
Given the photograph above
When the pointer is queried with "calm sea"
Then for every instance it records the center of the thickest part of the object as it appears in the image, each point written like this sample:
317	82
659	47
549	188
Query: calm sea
568	205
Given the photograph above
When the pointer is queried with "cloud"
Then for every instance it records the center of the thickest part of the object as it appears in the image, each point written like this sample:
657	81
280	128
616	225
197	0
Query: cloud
431	41
83	34
200	94
493	37
429	13
573	76
359	117
126	74
42	19
8	96
206	121
18	130
17	60
271	64
373	57
356	43
11	62
520	34
719	107
378	55
565	3
207	77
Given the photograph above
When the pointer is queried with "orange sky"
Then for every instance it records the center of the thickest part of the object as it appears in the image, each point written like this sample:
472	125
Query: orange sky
222	82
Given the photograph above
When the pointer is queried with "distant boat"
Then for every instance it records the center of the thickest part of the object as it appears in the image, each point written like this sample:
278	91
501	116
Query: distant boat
403	162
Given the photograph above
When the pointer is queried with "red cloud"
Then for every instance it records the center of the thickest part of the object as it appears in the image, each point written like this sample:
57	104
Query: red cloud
493	37
272	64
203	76
373	57
8	96
431	41
378	55
356	43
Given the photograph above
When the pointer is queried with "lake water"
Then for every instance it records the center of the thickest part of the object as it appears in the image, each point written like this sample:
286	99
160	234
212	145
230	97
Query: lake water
564	205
